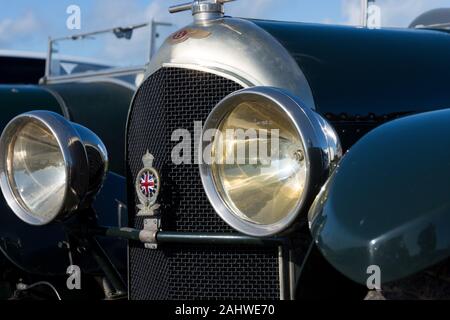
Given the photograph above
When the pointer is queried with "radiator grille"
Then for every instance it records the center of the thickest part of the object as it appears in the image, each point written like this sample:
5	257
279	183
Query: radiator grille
170	99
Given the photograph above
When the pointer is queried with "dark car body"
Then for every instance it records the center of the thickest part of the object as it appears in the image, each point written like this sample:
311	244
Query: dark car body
359	79
378	75
21	70
385	94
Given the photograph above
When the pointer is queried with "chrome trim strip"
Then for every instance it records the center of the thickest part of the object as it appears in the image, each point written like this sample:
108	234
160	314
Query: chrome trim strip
116	81
116	72
292	279
65	110
244	80
281	273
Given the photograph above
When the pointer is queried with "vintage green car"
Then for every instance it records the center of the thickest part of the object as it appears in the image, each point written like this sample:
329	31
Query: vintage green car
263	160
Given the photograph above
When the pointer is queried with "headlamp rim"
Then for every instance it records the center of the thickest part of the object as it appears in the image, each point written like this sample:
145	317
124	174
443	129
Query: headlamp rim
308	126
75	161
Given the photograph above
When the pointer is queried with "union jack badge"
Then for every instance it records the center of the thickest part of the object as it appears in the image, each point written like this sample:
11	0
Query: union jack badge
147	187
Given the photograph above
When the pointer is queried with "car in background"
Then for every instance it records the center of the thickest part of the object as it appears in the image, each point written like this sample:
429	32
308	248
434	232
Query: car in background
433	19
84	90
24	67
21	67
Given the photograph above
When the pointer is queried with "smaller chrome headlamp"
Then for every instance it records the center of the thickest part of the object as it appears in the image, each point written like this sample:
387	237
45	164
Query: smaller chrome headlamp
49	167
267	158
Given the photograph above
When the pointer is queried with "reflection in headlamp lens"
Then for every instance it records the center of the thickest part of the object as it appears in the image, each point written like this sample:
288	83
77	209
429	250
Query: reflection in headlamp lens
37	171
266	181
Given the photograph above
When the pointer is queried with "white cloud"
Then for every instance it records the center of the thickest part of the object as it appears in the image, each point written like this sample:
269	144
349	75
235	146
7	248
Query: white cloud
19	29
401	13
351	10
120	12
107	14
252	8
126	12
327	21
394	13
111	13
30	29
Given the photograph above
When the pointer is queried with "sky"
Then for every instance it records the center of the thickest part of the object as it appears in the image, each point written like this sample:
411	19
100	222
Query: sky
26	24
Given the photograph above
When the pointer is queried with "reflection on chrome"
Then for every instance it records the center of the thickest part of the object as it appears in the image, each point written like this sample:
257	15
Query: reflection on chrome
46	172
38	171
287	154
260	191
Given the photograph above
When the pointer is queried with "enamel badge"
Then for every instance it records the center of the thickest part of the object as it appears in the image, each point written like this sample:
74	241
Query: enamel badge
185	34
147	187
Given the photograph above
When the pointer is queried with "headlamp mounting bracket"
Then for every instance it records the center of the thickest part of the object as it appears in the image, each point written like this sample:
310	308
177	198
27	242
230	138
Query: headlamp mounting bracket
152	227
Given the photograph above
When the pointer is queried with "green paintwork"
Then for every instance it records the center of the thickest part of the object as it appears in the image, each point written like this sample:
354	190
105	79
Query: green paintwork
103	108
388	202
16	99
357	71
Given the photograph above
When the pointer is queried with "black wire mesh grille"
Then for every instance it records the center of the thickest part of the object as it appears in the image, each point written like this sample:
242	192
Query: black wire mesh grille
171	99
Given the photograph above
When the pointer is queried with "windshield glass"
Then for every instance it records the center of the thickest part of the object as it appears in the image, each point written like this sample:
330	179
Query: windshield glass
118	48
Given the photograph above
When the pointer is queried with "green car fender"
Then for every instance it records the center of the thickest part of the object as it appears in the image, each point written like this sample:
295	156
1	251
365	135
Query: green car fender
17	99
103	108
387	204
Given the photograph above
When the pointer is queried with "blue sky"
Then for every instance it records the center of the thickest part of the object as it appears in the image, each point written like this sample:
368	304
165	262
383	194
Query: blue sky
26	24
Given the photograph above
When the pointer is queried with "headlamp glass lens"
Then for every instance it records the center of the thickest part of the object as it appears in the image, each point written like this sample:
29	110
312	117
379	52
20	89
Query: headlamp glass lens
37	171
265	182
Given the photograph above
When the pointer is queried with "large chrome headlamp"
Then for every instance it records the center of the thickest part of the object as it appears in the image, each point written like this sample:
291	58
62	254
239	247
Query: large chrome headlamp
49	167
265	157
